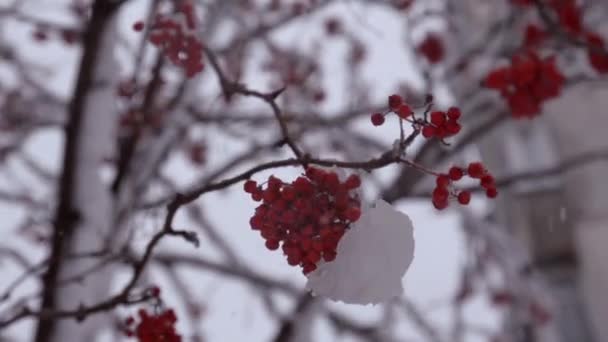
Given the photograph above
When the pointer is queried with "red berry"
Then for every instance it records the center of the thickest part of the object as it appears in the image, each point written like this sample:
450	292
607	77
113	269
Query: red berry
257	196
443	181
308	267
250	186
429	131
432	48
487	181
377	119
476	170
464	197
455	173
329	256
438	118
138	26
288	193
439	203
313	256
272	244
440	193
491	192
404	111
452	127
454	113
155	291
394	102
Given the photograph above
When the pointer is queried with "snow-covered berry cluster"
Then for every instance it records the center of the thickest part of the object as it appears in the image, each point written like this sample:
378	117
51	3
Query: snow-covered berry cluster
307	217
444	188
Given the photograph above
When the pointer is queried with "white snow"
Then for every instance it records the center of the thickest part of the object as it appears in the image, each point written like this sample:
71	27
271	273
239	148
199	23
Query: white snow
372	258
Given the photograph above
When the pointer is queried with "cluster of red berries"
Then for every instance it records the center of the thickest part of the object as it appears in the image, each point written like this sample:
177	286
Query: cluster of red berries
177	40
527	83
432	48
442	124
395	105
155	327
443	189
308	216
567	14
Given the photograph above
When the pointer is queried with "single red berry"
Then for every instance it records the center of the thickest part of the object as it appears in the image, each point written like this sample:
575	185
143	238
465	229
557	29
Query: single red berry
491	192
440	203
443	181
454	113
464	197
155	291
288	193
476	170
272	244
440	193
250	186
455	173
329	256
498	79
257	195
404	111
487	181
438	118
452	127
308	267
432	48
377	119
138	26
394	101
429	131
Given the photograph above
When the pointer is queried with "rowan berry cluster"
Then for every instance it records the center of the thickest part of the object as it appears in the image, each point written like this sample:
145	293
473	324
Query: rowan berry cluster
441	124
444	188
568	15
153	327
527	83
176	38
307	217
